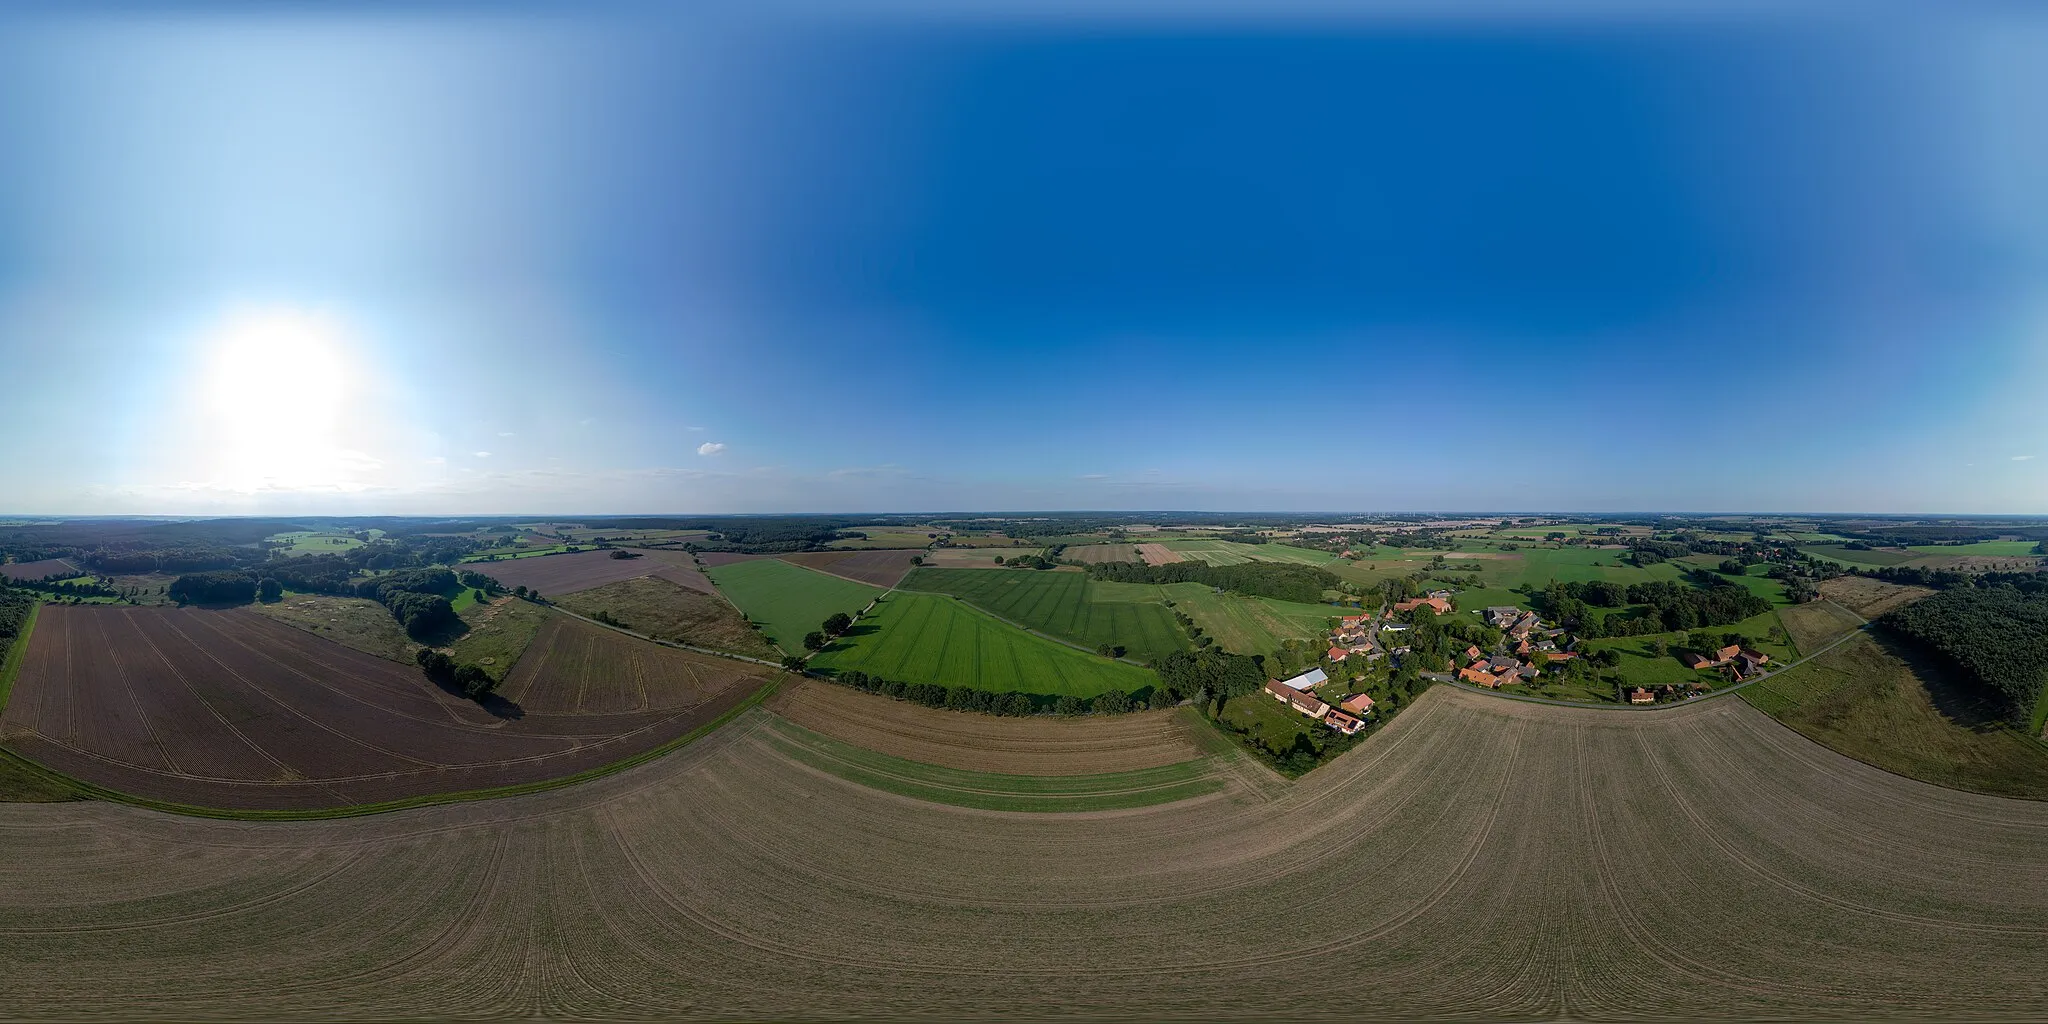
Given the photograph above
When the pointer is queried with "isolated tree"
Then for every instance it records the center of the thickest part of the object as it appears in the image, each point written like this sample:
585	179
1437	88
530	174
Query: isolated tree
815	641
837	623
269	590
479	594
792	663
519	591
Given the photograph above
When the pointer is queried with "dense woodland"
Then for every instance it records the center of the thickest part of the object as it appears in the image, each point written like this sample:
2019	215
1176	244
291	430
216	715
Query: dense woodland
1666	607
1997	635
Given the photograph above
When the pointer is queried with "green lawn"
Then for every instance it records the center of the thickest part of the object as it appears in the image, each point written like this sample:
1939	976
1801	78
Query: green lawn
789	600
931	638
1882	704
1268	719
1065	604
499	633
989	791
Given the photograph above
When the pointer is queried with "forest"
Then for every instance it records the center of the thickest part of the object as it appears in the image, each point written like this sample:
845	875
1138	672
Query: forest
1670	607
1997	635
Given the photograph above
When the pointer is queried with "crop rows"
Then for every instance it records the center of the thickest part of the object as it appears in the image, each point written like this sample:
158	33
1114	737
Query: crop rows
566	574
1476	859
1064	604
927	638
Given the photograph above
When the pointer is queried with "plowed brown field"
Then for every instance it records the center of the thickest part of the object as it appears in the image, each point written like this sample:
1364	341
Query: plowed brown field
229	709
1158	554
38	570
882	568
575	668
567	574
1010	746
1477	859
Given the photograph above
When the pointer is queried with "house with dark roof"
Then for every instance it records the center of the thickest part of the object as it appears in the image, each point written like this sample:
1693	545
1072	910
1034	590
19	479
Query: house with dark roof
1343	723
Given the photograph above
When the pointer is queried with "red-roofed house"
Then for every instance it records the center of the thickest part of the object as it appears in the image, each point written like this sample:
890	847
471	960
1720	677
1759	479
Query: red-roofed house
1307	704
1479	677
1641	696
1337	654
1342	722
1358	704
1727	654
1472	653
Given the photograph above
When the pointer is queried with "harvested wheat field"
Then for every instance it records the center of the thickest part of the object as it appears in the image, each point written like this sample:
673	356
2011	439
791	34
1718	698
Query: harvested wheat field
1870	598
1521	861
984	743
38	570
879	568
714	559
575	668
1158	554
566	574
229	709
651	606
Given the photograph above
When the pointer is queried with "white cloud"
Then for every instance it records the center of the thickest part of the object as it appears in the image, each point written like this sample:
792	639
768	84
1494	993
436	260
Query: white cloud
483	455
710	448
1095	476
2021	458
504	433
435	461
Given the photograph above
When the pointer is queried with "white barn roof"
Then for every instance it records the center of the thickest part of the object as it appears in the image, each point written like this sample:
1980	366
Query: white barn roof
1312	678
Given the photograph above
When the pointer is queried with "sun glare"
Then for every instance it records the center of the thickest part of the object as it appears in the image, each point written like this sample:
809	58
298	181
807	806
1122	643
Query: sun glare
278	382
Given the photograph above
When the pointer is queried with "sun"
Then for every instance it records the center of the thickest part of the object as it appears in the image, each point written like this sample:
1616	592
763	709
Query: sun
277	387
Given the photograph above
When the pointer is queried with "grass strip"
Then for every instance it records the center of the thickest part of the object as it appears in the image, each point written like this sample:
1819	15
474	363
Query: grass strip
987	790
11	664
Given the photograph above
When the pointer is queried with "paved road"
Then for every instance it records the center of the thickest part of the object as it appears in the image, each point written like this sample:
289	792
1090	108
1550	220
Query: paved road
1723	691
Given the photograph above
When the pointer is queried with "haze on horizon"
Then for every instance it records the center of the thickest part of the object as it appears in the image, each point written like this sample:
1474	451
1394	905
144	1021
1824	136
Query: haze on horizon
485	258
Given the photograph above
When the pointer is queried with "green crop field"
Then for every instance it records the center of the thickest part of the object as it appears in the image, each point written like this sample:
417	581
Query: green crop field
1873	557
1065	604
789	600
879	538
312	542
1980	549
990	791
1225	552
1251	625
932	638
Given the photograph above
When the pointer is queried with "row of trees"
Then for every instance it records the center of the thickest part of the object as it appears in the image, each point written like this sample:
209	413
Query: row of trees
1283	580
1012	703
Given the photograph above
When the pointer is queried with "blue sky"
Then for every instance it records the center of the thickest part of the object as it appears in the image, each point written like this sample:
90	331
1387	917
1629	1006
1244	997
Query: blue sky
514	259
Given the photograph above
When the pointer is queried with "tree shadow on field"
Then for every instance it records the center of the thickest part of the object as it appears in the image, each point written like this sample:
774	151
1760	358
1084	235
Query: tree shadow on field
443	635
495	705
1960	700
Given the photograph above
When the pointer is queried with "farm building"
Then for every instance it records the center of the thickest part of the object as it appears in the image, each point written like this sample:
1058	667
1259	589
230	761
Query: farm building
1641	696
1435	604
1307	704
1336	654
1308	680
1358	704
1343	723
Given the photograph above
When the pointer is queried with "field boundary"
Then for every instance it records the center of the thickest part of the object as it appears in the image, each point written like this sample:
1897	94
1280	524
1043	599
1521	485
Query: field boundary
90	791
10	665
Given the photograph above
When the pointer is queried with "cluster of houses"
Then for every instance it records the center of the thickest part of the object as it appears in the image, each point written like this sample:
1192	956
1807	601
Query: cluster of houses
1744	662
1533	647
1298	693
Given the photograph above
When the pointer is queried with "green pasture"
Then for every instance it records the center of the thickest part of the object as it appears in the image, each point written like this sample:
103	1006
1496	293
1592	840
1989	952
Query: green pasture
312	542
933	638
886	539
1268	719
1065	604
1874	558
1250	625
989	791
509	553
1639	668
789	600
1225	552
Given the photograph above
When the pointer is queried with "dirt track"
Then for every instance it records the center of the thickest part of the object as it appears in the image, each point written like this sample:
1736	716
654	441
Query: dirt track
1479	858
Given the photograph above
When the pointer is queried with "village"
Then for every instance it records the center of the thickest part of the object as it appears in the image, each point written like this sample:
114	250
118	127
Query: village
1527	649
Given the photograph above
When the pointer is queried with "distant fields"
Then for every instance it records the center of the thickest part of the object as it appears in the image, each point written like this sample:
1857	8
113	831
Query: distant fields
1982	548
312	542
1102	553
930	638
1224	552
1064	604
1871	557
789	600
887	539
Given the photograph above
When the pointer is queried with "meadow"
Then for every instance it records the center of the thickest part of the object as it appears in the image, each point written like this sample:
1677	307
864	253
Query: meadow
311	542
1866	558
1067	605
1249	625
1478	858
1881	703
655	607
1982	548
786	600
1225	552
932	638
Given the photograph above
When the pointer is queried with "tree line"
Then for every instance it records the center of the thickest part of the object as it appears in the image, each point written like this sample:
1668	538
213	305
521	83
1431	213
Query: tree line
1013	703
1671	607
1996	635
